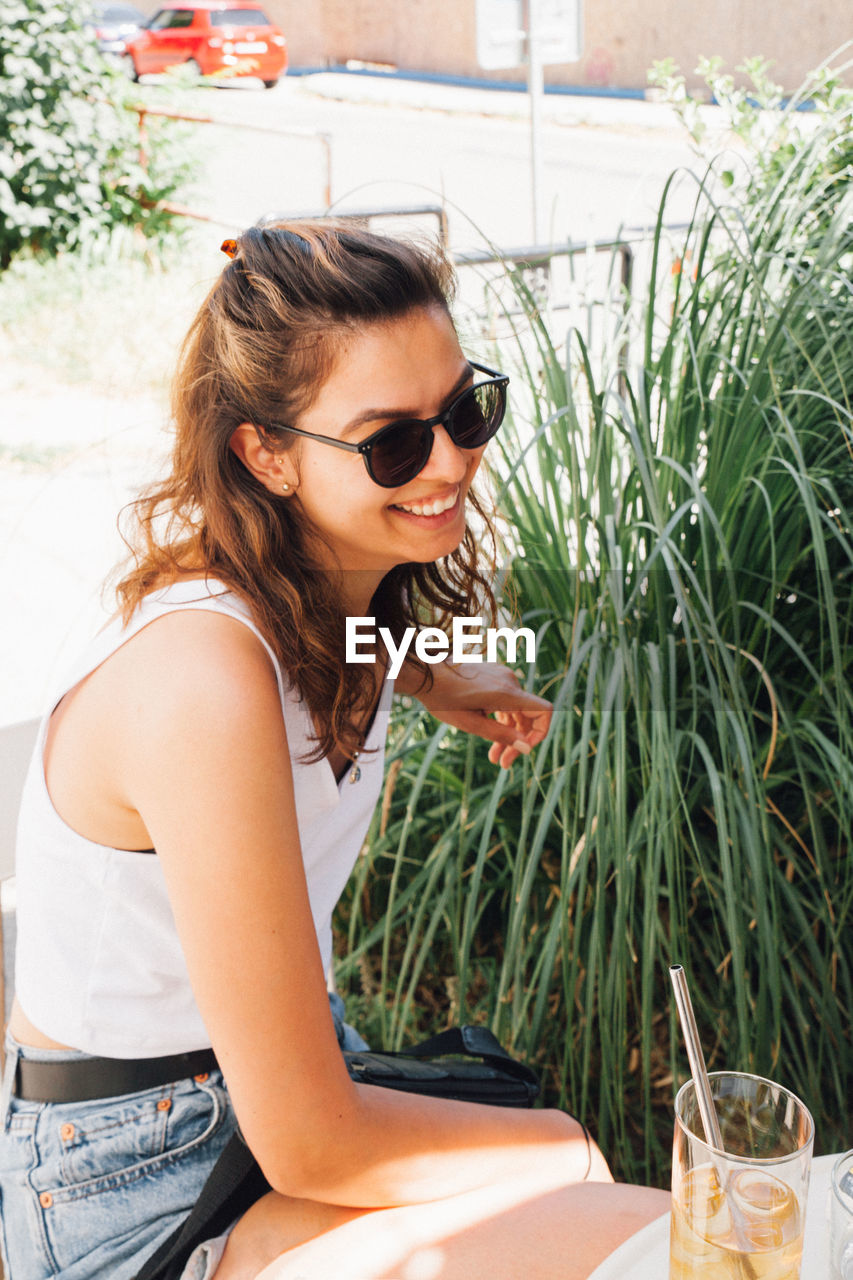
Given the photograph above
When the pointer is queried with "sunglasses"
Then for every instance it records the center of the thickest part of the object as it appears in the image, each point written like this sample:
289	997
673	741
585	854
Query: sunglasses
398	452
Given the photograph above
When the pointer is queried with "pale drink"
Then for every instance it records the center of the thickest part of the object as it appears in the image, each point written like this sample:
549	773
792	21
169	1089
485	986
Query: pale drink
753	1231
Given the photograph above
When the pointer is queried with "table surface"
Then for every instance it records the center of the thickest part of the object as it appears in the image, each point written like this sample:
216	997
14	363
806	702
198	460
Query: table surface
645	1256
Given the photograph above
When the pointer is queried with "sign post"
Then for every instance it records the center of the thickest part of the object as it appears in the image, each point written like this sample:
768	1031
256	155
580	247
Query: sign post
552	31
536	92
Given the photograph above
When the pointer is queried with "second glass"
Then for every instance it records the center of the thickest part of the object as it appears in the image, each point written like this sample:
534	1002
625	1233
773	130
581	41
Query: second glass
740	1216
841	1218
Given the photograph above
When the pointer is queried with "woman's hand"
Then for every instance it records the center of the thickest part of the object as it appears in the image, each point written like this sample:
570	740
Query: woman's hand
486	699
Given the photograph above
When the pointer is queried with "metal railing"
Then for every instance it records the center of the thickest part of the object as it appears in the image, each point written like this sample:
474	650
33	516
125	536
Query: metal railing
534	263
539	257
366	216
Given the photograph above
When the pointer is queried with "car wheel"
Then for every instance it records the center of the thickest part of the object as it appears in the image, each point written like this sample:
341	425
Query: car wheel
193	68
129	68
270	84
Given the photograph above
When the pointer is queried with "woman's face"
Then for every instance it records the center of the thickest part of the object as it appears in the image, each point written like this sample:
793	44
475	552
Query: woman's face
412	367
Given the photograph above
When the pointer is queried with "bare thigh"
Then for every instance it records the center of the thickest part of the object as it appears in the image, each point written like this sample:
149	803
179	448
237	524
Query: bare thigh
497	1231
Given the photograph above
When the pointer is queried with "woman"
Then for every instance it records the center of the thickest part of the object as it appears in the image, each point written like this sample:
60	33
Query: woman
329	429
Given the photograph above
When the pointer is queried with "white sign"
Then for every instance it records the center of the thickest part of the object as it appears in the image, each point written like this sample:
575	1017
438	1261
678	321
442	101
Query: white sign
503	25
501	34
559	30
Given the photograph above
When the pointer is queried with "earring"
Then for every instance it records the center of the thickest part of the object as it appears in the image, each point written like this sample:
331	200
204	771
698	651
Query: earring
285	488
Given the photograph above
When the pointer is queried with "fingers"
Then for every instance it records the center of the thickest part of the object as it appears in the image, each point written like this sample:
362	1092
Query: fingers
526	728
492	704
502	730
504	754
519	733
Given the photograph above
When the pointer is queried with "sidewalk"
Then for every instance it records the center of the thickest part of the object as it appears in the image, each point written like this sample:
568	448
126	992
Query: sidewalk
69	460
432	94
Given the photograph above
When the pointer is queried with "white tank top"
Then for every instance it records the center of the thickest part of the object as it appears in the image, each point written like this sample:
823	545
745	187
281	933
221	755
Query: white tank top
99	965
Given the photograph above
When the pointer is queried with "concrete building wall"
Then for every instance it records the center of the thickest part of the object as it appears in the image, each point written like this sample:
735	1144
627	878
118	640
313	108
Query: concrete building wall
621	37
620	46
411	34
422	35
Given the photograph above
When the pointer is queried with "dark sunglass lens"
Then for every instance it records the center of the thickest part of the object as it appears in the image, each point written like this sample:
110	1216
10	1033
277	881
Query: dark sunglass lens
477	415
398	455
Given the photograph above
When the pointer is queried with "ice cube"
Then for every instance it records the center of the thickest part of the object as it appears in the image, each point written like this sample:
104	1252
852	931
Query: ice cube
761	1236
701	1194
704	1204
762	1193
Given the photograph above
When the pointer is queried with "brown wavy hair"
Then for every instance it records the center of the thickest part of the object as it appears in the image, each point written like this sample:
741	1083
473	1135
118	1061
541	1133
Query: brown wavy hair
259	350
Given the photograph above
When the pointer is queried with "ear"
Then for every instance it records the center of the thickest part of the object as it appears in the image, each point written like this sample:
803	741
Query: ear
274	470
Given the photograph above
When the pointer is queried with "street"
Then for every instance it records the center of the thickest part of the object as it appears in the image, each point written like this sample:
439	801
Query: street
604	162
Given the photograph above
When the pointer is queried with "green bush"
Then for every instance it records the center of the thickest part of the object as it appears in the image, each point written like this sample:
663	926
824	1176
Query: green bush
682	539
70	172
763	126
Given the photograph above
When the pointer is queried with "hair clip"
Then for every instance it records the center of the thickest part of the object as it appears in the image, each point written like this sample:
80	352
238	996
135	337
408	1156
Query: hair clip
229	247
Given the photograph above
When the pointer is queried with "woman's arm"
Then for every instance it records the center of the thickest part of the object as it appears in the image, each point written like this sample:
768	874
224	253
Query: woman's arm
469	697
202	756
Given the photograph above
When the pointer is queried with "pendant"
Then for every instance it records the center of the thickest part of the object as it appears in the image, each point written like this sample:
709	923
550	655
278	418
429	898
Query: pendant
355	771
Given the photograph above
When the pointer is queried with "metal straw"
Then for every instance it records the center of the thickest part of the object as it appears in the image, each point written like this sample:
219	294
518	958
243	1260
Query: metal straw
696	1058
705	1103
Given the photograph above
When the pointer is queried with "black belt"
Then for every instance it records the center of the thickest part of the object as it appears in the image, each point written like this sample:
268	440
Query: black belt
84	1079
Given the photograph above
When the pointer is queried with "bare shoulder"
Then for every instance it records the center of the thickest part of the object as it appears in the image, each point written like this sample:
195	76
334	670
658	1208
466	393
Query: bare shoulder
171	707
190	684
191	657
184	640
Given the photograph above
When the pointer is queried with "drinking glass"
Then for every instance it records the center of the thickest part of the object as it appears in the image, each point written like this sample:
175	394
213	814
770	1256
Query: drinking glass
739	1214
841	1219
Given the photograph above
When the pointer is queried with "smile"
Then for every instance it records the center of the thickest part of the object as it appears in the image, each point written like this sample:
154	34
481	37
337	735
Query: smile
430	508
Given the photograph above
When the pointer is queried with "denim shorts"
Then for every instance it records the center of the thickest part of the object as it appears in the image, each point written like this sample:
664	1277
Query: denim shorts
89	1190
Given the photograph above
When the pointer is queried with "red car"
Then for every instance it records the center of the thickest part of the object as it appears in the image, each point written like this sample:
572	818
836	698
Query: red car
210	36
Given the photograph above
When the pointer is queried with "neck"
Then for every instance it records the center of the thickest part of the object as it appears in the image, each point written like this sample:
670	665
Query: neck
357	588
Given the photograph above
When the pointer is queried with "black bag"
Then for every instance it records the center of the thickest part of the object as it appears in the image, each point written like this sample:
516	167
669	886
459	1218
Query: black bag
425	1068
236	1180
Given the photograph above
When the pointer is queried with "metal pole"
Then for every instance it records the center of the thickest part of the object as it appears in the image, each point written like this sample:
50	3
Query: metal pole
143	138
536	88
326	140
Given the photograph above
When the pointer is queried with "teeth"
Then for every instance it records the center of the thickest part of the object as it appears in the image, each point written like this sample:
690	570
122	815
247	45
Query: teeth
429	508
